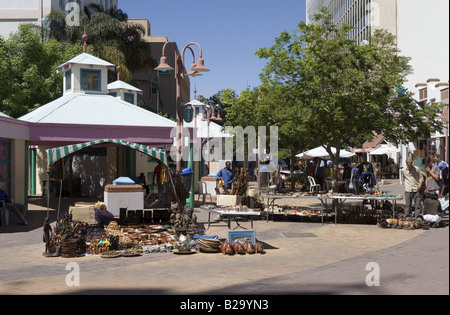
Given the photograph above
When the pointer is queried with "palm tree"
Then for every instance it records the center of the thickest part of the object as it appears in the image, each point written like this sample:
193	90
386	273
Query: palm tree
113	38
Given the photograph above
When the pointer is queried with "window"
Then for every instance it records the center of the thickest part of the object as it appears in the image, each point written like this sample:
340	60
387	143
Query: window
5	165
68	80
129	97
423	93
114	94
91	80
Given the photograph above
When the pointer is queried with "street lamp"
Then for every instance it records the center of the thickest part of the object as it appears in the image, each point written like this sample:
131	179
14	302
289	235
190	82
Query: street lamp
210	115
196	69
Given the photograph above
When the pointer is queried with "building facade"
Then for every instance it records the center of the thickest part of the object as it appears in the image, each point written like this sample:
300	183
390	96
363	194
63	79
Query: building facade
159	88
421	29
14	12
431	91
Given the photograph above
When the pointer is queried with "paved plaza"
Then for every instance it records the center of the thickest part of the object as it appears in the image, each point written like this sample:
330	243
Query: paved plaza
299	258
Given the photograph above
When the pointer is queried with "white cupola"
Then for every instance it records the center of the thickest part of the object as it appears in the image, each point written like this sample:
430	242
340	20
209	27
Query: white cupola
123	90
85	73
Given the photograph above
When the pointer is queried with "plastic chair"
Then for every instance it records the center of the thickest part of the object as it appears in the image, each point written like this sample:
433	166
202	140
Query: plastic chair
312	185
203	191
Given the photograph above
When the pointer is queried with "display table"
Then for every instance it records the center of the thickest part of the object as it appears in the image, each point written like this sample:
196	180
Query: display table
271	202
341	199
229	213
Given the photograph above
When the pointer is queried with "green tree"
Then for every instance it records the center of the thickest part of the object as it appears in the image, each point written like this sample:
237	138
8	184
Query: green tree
342	92
221	101
28	70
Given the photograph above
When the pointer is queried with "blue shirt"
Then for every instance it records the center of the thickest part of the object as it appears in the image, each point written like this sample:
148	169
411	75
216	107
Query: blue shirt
442	165
4	196
227	176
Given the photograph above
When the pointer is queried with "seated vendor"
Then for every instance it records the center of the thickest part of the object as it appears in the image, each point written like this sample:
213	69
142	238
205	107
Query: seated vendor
432	210
226	175
102	215
141	181
16	208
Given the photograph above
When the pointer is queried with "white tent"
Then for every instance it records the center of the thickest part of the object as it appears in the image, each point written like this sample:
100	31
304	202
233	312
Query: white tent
320	152
384	150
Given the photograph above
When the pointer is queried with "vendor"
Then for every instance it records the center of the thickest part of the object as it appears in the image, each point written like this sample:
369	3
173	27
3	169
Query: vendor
161	177
102	215
227	176
16	208
141	181
432	211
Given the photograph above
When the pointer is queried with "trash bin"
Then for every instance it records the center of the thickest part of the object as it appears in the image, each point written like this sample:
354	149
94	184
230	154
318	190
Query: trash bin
187	179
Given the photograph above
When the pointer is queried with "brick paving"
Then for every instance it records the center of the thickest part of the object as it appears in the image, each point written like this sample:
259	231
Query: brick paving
332	260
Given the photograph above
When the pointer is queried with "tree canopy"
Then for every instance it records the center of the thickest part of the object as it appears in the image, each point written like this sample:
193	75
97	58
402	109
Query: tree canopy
323	88
28	70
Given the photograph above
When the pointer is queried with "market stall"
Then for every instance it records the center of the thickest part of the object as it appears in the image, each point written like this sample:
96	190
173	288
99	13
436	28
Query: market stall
110	237
272	198
356	214
56	154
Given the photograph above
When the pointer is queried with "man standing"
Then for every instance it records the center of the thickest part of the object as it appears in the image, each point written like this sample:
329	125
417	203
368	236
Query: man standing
443	182
227	176
413	181
161	177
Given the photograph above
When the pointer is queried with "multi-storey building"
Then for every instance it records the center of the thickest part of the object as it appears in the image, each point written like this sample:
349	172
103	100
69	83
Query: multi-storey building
159	88
421	29
13	12
429	92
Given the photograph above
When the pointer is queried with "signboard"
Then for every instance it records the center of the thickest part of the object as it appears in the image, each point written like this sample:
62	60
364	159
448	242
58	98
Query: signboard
188	115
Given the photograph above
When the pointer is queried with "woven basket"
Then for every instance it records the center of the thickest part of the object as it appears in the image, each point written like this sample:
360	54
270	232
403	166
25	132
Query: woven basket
69	248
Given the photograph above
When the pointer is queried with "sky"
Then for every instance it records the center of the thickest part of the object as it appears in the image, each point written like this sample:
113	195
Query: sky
228	31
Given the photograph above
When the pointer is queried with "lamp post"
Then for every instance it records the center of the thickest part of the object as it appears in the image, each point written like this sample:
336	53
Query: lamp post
210	115
196	70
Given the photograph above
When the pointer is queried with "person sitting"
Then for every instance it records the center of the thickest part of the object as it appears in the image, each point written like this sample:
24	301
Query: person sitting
432	210
17	208
226	178
102	215
141	181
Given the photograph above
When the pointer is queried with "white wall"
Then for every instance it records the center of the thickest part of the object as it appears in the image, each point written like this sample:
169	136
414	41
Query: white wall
423	34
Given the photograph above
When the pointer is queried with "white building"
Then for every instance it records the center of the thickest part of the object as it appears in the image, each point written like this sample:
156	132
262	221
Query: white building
16	12
421	28
433	90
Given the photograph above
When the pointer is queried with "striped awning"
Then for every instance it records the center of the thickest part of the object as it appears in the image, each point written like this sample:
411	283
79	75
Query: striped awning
56	154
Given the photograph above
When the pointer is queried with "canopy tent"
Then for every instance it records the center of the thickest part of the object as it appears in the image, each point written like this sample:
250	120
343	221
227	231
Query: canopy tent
320	152
384	150
56	154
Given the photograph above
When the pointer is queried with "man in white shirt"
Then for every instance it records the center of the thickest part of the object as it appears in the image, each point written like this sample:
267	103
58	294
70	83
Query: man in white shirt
413	181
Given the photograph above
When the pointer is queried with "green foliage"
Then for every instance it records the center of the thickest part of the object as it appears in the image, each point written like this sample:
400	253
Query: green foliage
340	92
28	70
